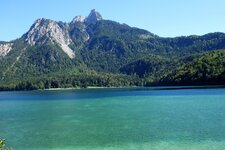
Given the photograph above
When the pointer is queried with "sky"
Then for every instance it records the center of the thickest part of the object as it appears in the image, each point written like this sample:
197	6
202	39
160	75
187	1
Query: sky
166	18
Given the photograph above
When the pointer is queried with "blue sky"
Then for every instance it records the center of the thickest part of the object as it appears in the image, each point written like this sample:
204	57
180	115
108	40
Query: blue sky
167	18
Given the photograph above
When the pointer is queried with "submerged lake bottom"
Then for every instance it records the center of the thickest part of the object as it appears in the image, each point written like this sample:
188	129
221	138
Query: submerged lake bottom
114	119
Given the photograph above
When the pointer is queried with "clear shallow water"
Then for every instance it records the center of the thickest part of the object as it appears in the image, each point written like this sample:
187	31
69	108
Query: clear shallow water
114	119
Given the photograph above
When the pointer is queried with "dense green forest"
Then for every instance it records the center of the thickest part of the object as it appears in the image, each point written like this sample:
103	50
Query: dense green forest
207	69
75	81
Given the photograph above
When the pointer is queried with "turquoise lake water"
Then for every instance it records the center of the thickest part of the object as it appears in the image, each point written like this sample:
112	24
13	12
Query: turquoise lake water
114	119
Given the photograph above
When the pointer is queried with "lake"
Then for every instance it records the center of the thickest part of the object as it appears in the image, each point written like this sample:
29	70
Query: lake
114	119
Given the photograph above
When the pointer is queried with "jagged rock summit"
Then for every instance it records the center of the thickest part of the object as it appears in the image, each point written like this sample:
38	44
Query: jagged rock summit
92	17
45	31
79	19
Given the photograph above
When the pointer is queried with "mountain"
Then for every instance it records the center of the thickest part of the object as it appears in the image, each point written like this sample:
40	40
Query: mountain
45	31
93	51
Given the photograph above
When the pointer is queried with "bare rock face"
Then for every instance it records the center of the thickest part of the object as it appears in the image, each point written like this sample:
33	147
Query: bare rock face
44	31
93	17
78	29
79	19
78	26
5	49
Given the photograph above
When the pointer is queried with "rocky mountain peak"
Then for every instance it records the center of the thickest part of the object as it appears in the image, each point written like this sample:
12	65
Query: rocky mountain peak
44	31
79	19
93	16
39	29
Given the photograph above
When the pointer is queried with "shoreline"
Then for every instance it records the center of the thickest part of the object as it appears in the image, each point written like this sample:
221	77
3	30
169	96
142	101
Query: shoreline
145	87
137	87
89	87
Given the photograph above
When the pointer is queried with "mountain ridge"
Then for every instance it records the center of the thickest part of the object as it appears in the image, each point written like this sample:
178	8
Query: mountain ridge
93	46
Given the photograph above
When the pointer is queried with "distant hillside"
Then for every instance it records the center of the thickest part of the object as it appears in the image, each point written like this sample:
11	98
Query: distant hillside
207	69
